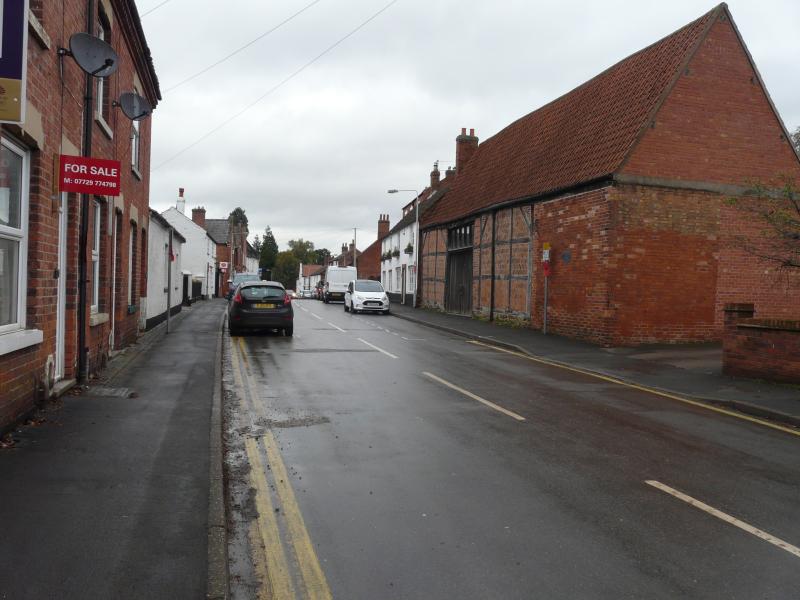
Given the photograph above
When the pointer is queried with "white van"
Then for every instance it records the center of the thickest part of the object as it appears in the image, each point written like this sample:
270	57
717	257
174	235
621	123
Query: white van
336	280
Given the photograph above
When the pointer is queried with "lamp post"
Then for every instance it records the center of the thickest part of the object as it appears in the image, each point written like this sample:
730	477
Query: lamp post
416	240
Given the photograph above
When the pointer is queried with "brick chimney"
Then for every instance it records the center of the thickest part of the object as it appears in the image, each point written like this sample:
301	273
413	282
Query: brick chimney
383	226
181	204
465	148
435	176
450	172
199	216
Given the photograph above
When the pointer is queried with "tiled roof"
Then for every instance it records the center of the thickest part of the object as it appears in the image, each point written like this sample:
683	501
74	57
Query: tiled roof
311	270
217	230
580	137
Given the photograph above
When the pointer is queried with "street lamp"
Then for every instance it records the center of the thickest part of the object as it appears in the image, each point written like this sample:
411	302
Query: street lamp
416	240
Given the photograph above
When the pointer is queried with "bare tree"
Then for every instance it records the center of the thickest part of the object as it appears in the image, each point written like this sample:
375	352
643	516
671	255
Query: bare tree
778	211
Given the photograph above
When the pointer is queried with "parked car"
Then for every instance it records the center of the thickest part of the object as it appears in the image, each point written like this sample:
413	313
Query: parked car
366	295
307	293
261	305
240	278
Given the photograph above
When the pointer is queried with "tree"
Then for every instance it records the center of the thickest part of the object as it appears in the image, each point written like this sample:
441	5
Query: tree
778	211
269	250
237	216
302	250
257	245
796	139
286	269
321	255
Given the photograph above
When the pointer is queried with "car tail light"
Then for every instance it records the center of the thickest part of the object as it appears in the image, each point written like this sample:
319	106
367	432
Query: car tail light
238	298
287	300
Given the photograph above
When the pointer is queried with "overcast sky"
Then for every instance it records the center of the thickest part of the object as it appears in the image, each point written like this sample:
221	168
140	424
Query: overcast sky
314	159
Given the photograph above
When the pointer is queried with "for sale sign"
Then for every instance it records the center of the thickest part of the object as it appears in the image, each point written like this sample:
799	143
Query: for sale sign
85	175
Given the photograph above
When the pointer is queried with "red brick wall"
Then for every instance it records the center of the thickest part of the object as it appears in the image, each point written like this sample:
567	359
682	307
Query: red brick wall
717	124
760	348
369	262
23	371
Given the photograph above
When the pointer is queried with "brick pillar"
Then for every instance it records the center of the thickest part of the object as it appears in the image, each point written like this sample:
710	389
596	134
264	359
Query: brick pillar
735	313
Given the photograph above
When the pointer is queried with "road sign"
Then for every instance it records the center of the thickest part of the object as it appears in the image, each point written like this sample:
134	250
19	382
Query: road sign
85	175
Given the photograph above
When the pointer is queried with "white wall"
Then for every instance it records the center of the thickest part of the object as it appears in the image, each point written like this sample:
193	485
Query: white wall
199	251
399	240
251	264
157	261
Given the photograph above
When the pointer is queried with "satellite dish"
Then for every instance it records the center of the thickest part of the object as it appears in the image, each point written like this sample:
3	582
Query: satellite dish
134	106
93	55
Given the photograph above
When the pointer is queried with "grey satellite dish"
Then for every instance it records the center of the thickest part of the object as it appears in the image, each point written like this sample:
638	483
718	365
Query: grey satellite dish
93	55
134	106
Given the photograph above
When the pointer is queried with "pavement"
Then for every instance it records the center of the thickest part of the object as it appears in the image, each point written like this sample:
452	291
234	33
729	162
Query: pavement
689	370
116	492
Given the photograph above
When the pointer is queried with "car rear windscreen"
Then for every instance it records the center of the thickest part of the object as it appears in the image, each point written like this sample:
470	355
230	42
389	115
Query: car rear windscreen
259	292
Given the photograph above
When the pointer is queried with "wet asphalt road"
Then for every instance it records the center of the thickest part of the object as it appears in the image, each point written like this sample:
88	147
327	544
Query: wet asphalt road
410	489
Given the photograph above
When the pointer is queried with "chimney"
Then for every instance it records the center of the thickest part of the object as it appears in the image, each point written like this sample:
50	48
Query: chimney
450	172
435	175
465	148
383	226
181	205
199	216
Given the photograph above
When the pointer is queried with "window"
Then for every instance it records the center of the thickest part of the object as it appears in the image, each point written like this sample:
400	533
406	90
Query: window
103	84
96	257
13	236
459	237
135	146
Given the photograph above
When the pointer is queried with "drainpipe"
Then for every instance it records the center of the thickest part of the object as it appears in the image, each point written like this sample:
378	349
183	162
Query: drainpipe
491	290
83	351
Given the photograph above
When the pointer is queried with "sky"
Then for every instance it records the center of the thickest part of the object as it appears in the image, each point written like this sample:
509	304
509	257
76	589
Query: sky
314	157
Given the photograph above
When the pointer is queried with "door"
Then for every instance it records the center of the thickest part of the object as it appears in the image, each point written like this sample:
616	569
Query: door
458	294
403	286
61	291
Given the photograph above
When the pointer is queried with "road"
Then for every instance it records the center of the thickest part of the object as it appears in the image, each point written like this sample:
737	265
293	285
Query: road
369	457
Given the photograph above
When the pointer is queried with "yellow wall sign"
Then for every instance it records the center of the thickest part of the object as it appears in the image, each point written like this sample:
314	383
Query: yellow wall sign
13	59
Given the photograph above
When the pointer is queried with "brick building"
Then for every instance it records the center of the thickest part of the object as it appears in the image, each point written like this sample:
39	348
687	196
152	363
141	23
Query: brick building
627	177
231	240
40	316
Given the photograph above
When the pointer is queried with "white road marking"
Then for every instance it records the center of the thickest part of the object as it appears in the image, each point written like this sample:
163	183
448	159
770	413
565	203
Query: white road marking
376	348
336	327
414	339
316	316
726	517
469	394
303	308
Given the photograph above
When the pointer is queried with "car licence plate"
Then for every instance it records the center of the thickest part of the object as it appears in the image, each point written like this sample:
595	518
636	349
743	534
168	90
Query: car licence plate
265	306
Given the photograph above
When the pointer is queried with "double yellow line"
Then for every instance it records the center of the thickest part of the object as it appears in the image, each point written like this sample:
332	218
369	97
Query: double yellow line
288	566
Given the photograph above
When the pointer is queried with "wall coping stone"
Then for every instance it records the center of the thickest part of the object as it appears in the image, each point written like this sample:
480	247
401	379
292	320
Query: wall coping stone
771	324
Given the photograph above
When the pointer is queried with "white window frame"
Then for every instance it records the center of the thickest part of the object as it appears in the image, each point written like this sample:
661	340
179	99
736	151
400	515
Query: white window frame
20	236
98	212
135	148
102	33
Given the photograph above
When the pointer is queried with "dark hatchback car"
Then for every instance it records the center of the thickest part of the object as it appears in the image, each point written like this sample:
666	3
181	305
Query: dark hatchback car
261	305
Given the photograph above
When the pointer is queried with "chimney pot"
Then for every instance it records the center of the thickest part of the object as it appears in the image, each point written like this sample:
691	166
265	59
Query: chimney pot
180	192
472	131
463	131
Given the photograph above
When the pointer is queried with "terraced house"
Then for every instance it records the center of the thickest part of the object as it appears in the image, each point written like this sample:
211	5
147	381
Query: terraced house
628	179
73	267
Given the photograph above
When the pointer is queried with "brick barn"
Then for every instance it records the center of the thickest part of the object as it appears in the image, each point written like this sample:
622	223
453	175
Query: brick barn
40	312
628	177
